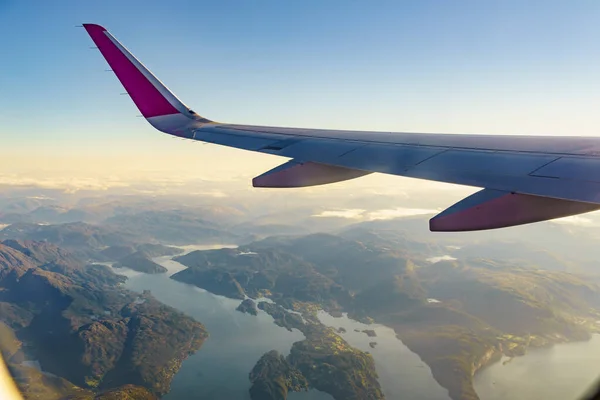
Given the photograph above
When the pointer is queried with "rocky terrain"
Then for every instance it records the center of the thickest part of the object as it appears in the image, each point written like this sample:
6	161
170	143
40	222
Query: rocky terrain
140	262
481	309
81	326
323	360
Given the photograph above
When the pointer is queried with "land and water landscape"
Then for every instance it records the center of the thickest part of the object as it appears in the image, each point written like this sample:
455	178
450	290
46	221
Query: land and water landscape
173	298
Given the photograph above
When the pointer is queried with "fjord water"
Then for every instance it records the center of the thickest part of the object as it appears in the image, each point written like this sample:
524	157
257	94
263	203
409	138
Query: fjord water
563	372
402	374
219	370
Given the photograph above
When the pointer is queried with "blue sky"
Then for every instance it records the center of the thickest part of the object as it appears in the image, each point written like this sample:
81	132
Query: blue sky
445	66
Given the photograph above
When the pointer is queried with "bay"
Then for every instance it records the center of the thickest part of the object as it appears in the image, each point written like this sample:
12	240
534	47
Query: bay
563	372
402	374
220	369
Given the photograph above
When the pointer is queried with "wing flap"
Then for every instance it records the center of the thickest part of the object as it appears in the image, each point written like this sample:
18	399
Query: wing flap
490	209
294	174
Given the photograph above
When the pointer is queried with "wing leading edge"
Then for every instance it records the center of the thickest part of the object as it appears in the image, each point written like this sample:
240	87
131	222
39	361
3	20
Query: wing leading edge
525	178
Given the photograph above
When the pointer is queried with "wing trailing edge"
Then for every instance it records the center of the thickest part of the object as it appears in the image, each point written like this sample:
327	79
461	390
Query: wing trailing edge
490	209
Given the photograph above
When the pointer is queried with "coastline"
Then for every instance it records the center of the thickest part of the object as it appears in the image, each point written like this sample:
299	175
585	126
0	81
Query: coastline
461	386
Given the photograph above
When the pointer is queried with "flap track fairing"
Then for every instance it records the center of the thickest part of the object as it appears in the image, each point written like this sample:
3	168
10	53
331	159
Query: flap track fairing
294	174
490	209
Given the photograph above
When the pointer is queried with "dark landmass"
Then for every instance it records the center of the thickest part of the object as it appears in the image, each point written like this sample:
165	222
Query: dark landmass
115	253
127	392
81	239
454	345
102	242
172	226
140	262
43	253
152	250
248	306
372	344
148	250
239	272
34	384
99	274
370	332
351	264
489	308
272	377
324	360
282	317
331	365
85	329
341	329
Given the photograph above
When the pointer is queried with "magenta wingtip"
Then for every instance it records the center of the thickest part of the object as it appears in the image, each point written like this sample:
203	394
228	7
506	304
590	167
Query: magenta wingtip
93	26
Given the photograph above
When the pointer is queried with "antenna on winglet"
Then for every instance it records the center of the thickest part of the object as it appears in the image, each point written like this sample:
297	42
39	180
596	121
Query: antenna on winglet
149	94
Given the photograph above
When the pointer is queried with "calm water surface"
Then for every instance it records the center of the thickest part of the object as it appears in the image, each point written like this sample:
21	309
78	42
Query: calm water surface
402	374
562	372
220	369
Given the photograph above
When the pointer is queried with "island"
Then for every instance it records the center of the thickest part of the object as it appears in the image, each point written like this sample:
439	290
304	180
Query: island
323	360
370	332
272	377
282	317
248	306
138	261
149	250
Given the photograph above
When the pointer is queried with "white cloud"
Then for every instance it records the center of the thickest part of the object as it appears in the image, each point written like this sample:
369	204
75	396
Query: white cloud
211	193
352	213
398	213
575	220
68	184
434	260
364	215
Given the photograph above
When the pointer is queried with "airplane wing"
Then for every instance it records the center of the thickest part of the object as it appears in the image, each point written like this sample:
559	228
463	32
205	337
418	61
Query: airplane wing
525	179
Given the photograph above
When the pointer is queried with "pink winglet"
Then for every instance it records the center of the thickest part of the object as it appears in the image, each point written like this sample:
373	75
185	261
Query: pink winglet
145	95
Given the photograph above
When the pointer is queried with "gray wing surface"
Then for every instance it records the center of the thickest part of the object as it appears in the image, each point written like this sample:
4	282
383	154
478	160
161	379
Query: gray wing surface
559	175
